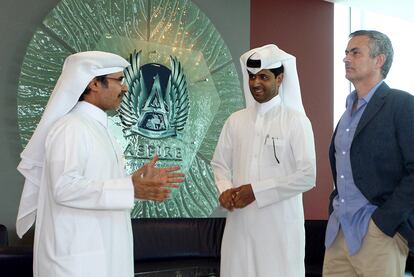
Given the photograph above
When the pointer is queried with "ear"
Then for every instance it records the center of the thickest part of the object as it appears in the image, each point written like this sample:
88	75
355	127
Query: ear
93	85
380	60
93	88
280	77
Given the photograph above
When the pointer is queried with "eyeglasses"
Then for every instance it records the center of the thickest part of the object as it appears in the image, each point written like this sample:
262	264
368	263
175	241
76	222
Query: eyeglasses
120	79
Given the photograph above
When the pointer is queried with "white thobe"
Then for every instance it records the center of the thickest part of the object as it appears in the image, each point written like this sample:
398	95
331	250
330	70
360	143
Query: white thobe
83	226
267	237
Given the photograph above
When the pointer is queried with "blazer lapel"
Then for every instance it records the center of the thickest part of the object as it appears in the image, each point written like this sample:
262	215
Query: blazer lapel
373	107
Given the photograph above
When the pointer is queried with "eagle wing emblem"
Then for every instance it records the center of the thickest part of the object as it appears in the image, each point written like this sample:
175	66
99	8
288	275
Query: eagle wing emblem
135	98
177	96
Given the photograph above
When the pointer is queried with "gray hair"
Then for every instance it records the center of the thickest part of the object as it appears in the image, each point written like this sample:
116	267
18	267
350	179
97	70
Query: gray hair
379	43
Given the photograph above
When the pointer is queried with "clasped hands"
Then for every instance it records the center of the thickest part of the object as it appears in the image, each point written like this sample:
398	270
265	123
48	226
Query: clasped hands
155	183
237	198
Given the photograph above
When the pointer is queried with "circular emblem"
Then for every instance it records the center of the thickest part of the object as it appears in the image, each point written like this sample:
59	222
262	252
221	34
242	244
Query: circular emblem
182	86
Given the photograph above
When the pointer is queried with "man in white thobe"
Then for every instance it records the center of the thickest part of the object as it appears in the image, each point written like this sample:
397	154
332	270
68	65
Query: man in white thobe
263	162
76	188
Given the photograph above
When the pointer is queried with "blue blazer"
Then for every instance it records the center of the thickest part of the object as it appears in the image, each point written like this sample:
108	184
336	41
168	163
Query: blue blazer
382	160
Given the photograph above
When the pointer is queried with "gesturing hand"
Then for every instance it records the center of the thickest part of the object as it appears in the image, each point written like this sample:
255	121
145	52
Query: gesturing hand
154	183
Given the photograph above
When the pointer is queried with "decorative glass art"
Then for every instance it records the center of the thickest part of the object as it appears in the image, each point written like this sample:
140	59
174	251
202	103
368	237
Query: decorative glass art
183	88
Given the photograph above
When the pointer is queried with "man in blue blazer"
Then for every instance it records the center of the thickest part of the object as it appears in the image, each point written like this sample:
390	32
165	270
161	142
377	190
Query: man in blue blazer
371	223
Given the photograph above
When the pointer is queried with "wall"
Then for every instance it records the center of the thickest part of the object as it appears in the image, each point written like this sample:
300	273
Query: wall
18	21
304	28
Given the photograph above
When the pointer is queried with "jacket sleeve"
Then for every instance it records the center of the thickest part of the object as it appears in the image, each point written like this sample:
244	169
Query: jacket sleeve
67	157
272	190
400	204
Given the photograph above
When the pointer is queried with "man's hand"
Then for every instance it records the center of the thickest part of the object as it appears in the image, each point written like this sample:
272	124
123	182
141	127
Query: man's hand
226	199
154	183
243	196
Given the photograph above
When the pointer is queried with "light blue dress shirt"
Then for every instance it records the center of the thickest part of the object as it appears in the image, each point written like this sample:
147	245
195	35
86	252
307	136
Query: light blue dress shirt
351	210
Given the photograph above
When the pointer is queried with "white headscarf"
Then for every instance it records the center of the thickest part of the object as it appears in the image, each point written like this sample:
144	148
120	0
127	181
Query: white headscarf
271	56
78	70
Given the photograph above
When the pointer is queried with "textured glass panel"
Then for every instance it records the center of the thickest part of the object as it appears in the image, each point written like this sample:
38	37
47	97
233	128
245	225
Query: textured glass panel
39	72
164	31
184	25
227	85
81	24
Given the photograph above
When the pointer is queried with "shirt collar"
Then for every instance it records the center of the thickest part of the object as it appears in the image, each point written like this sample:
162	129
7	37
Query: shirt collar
92	111
351	98
263	108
